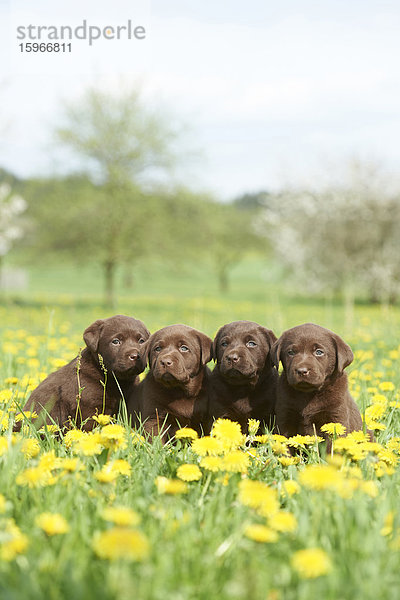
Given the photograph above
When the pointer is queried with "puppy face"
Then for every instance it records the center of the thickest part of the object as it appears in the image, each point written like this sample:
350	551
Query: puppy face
119	340
177	353
310	355
241	349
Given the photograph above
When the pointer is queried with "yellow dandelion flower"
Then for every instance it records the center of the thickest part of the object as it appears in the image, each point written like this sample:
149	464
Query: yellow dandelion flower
186	433
356	436
290	487
321	477
113	437
52	523
388	457
170	486
106	474
11	380
27	415
3	445
236	462
311	563
102	419
33	477
49	429
387	528
207	446
5	395
375	425
379	399
286	461
334	429
14	542
371	447
375	412
369	488
88	445
189	472
393	444
261	533
137	438
229	432
4	419
120	515
279	438
212	463
283	522
258	495
71	464
381	469
30	448
303	440
254	426
121	543
72	436
120	466
223	479
262	439
386	386
279	447
48	461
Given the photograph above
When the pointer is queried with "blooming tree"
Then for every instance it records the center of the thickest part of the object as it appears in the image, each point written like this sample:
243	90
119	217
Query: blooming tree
343	236
11	207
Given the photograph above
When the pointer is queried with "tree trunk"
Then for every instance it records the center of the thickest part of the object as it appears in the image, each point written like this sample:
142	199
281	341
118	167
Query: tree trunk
223	280
109	283
128	277
349	297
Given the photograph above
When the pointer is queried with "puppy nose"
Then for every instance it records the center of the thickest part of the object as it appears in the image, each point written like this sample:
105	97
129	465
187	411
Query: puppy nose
134	355
302	371
234	357
166	362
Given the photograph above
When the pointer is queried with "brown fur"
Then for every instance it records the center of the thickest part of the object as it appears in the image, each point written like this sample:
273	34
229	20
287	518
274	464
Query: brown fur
58	393
175	391
243	382
312	388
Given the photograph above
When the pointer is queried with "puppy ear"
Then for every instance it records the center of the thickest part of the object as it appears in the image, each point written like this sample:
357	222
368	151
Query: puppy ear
275	353
269	335
206	347
92	334
145	351
344	354
215	344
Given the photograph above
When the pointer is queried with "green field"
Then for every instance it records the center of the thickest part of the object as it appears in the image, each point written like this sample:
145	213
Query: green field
199	542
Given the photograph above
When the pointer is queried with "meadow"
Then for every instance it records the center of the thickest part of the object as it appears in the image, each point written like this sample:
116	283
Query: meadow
108	515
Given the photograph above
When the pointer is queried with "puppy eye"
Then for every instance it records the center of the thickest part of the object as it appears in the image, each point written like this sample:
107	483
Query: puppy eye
291	352
224	344
319	352
157	349
184	349
251	344
116	342
141	341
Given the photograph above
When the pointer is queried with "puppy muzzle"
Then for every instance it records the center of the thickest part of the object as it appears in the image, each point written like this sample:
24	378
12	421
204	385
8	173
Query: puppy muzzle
168	371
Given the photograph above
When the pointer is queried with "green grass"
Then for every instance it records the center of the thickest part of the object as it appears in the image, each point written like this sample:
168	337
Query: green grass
198	547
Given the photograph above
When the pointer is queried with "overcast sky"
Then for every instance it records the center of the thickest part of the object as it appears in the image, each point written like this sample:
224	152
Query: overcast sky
271	90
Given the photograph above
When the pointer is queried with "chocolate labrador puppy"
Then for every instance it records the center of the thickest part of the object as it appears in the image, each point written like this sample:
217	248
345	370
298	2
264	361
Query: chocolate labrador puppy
312	388
175	391
244	381
119	342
